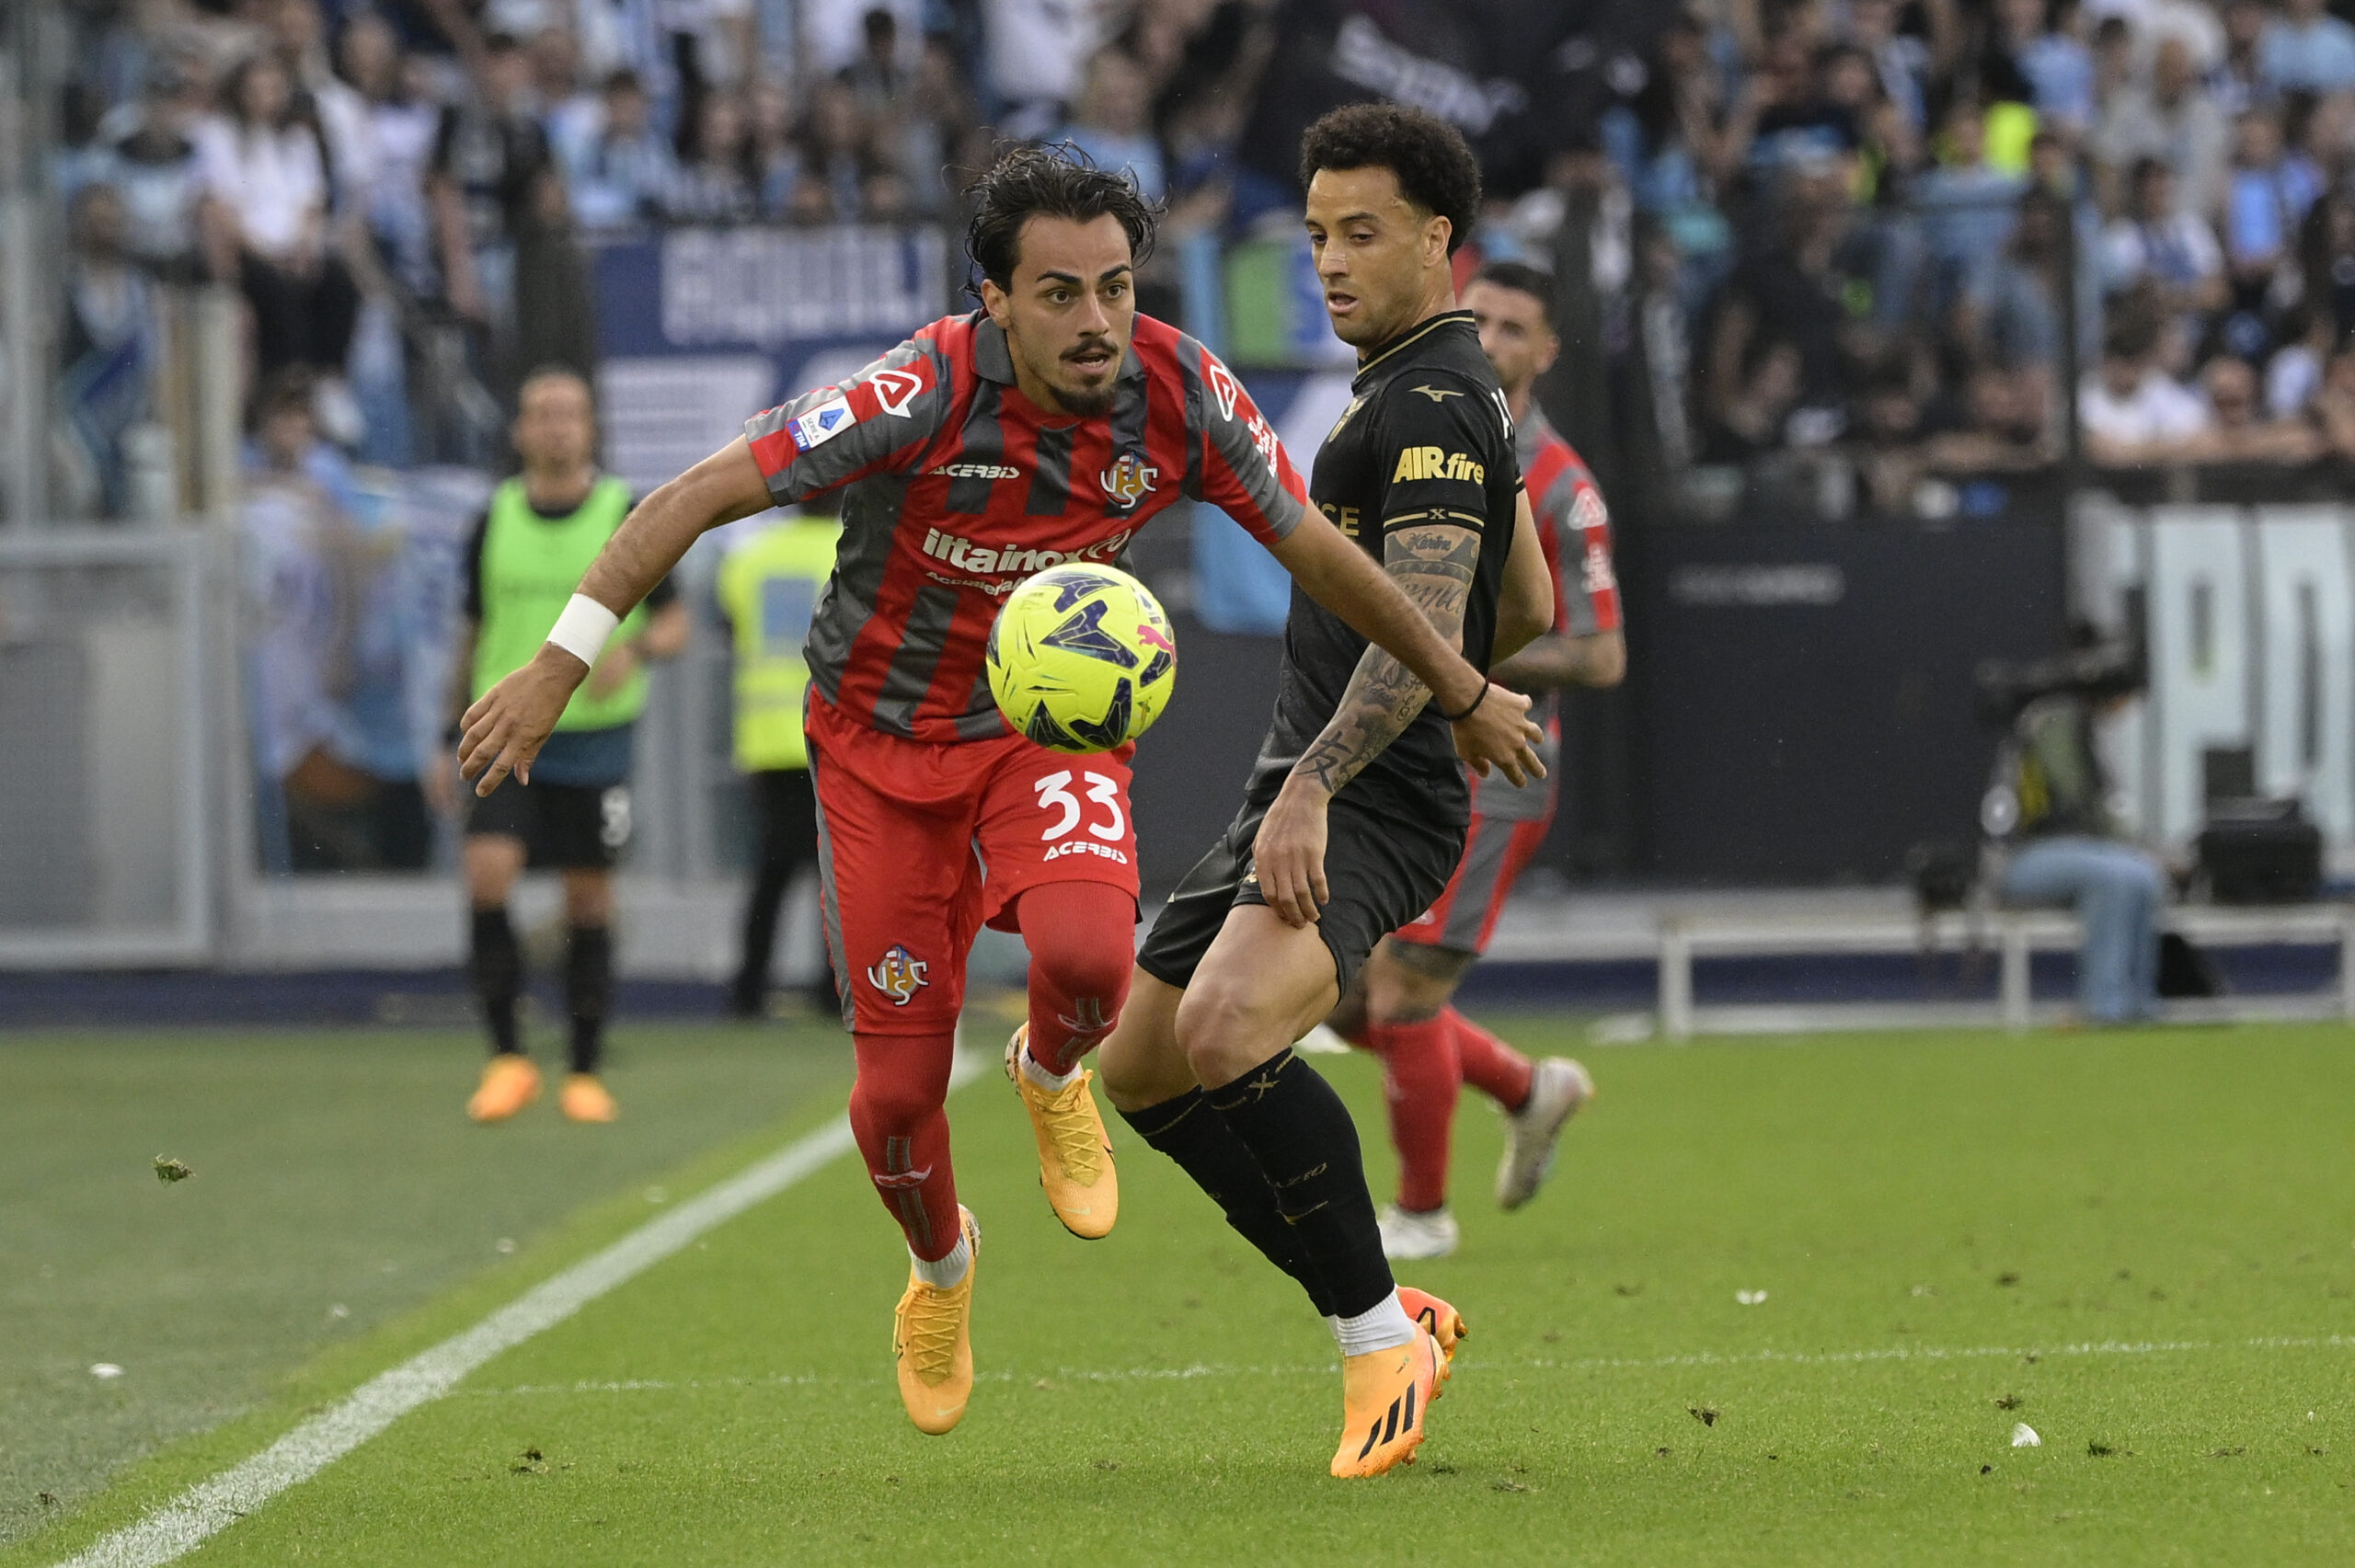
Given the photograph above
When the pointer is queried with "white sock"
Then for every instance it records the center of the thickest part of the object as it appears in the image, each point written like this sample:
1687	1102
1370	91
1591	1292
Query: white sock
944	1274
1036	1071
1387	1325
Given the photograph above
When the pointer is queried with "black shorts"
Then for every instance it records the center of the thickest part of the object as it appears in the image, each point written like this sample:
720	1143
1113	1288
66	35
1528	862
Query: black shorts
1383	867
564	827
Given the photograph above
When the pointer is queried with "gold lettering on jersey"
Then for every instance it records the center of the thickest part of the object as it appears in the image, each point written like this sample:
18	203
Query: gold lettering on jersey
1343	518
1355	404
1432	462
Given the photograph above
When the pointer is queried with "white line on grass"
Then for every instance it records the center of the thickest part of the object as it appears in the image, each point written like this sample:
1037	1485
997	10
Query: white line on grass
1585	1364
210	1507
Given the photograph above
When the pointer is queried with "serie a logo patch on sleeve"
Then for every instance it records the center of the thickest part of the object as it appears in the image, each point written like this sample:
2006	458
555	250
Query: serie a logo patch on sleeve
823	423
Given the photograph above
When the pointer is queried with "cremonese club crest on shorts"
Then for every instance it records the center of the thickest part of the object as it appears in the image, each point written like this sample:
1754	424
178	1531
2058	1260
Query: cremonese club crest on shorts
1128	480
897	975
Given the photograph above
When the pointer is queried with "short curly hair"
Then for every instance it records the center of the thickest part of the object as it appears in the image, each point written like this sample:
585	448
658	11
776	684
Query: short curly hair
1059	181
1434	165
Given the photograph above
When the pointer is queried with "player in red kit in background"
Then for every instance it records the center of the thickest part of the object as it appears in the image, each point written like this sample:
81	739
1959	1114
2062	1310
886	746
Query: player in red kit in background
1402	1007
1046	426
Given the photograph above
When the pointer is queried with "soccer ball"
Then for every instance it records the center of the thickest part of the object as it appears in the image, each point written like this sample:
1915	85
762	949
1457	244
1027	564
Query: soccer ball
1081	659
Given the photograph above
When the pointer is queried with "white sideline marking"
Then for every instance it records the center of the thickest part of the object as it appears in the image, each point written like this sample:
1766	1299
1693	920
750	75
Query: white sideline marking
211	1506
1536	1363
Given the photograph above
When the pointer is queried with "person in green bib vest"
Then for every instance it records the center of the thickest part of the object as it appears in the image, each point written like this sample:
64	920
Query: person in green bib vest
542	528
769	587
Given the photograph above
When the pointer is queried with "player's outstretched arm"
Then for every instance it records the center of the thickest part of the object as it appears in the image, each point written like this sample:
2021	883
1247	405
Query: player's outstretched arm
1531	656
507	727
1431	566
1342	579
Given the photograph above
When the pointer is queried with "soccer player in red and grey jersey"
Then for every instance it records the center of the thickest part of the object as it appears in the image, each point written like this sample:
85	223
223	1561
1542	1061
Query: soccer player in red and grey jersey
1403	1006
1046	426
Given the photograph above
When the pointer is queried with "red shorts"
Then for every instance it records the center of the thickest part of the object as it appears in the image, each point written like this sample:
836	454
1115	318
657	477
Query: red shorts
920	844
1494	851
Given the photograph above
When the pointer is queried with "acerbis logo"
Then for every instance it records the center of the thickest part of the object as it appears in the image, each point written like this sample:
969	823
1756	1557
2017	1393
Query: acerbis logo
1224	387
976	471
894	390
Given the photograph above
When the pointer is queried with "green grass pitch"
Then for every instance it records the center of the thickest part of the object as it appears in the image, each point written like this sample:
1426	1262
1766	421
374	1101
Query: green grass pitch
2142	1245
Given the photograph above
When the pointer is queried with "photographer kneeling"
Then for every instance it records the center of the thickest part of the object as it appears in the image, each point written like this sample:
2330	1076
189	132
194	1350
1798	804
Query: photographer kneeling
2052	839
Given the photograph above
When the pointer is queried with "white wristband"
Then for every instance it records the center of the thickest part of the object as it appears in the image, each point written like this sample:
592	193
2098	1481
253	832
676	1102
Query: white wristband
583	627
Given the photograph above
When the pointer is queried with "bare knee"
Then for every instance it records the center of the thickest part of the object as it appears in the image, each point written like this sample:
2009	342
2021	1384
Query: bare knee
588	897
1140	1064
492	861
1226	1028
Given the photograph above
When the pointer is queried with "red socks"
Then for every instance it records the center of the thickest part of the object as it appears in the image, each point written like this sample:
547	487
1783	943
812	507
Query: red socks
1420	1086
1082	952
1488	1064
898	1113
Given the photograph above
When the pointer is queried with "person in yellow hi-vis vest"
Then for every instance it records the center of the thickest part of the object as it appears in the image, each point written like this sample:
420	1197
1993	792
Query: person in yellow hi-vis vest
770	585
540	531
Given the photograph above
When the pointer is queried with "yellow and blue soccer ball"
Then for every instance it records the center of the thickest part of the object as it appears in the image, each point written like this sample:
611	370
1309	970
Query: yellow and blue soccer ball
1081	659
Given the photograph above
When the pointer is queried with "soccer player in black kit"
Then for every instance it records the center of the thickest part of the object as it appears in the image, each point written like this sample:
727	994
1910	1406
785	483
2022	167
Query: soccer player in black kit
1355	814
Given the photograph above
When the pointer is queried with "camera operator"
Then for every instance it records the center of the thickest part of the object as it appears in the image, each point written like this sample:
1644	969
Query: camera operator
2052	839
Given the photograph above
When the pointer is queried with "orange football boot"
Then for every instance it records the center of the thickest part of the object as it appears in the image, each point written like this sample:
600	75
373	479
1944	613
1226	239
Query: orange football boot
1438	1319
1074	1155
508	1083
932	1341
1384	1397
585	1098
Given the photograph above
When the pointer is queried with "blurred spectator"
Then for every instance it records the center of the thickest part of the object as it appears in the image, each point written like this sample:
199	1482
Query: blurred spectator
1812	286
323	643
835	154
400	124
151	160
1111	125
2011	314
1966	203
491	176
2132	412
2238	81
835	33
109	342
1750	416
2054	60
1036	51
879	76
2326	264
712	183
1901	61
266	186
1888	146
1677	114
2005	426
298	32
2238	429
2305	49
775	157
1784	119
2334	405
2265	201
2172	119
2158	242
619	169
930	131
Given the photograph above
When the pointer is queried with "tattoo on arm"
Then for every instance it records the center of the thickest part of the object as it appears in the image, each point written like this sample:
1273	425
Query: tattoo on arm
1434	565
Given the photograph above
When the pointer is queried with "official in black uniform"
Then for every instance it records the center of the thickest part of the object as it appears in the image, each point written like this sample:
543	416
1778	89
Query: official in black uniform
1355	814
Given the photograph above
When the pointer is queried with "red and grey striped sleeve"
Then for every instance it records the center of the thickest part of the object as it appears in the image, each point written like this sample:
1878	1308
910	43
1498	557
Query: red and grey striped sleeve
1238	465
1590	589
877	421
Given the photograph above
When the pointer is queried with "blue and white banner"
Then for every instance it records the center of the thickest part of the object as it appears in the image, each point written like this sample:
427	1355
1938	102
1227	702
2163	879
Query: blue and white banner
704	328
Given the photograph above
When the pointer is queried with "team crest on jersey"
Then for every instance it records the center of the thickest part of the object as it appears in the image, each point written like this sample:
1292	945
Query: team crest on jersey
1347	415
898	975
1128	481
823	423
894	390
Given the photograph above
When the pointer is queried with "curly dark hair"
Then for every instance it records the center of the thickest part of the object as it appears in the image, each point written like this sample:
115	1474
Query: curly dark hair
1050	182
1435	167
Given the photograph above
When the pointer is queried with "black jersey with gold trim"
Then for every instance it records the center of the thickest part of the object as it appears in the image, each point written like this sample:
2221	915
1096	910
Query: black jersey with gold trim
1426	438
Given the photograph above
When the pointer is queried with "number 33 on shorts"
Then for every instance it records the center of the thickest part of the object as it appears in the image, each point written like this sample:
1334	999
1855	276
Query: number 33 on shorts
1100	812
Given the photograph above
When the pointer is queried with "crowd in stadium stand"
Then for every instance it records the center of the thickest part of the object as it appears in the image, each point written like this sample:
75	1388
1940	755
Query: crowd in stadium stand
1888	229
